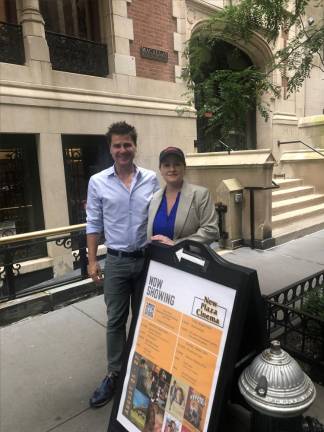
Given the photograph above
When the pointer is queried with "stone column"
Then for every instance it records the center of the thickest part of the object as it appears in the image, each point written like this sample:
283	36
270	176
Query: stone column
36	48
179	37
54	198
119	33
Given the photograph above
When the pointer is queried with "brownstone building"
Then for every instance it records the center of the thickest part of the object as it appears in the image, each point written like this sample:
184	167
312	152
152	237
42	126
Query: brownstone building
69	68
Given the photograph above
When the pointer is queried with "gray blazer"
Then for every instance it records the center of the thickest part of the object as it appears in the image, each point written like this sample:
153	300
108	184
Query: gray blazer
196	217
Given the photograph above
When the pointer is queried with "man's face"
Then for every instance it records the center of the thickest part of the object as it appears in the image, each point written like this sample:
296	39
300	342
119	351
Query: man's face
122	149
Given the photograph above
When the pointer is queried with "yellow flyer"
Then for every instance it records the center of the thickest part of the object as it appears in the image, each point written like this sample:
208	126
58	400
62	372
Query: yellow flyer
176	354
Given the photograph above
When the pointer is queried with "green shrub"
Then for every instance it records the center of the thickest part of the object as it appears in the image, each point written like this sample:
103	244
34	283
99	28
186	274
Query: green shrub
314	303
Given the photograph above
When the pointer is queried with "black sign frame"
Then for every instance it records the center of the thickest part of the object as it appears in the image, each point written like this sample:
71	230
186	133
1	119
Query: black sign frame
154	54
248	320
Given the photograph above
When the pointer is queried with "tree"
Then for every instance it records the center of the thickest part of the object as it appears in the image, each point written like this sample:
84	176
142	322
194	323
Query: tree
227	95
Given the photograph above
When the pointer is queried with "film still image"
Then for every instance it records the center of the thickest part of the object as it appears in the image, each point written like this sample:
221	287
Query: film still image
154	418
171	424
160	387
195	411
144	376
139	409
147	395
177	398
153	382
159	402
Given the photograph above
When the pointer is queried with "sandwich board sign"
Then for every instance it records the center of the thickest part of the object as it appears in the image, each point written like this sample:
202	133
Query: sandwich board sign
184	343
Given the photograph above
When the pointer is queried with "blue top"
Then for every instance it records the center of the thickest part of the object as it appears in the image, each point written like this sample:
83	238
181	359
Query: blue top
120	212
163	223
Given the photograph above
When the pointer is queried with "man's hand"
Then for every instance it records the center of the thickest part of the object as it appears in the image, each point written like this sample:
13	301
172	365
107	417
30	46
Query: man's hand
94	271
162	239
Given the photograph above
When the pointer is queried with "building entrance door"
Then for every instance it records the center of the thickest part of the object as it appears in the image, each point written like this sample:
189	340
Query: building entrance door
84	155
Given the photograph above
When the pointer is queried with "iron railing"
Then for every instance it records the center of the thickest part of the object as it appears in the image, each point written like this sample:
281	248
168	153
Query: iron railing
11	44
301	333
252	189
221	210
11	260
226	147
302	142
71	54
288	318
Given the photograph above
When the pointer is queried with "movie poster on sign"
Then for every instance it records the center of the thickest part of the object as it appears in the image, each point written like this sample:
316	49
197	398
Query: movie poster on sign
176	353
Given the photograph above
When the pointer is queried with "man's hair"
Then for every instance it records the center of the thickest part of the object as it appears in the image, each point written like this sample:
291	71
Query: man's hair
121	128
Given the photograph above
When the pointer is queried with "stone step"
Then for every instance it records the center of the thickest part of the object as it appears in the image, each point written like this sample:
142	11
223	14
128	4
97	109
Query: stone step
288	183
294	192
298	229
288	205
284	219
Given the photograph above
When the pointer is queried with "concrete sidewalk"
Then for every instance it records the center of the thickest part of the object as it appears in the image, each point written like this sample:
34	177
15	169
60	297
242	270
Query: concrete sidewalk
282	265
51	363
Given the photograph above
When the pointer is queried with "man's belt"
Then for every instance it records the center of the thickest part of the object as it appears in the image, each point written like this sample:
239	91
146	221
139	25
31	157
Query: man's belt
134	254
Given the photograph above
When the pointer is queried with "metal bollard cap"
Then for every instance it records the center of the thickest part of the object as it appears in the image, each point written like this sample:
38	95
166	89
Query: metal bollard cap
274	384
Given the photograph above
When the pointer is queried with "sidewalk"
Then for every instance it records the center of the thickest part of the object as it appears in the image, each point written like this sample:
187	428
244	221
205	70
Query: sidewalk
51	363
282	265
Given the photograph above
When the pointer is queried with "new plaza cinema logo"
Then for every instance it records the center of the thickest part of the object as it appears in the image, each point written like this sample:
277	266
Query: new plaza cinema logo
209	310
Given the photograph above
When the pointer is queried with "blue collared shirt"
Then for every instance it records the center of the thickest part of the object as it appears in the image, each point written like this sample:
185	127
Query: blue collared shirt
164	222
120	212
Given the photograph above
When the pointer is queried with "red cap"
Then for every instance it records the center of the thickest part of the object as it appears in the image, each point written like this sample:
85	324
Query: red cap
172	151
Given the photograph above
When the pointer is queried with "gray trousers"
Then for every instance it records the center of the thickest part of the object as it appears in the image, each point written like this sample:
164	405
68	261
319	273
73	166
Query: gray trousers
120	290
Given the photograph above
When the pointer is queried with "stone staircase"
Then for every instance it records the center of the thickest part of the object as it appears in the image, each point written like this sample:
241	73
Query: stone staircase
296	210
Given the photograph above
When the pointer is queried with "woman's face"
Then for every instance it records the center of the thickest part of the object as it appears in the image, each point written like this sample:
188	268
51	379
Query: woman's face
179	396
172	170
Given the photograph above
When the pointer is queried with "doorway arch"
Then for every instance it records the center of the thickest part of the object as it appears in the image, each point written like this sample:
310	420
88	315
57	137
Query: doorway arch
225	56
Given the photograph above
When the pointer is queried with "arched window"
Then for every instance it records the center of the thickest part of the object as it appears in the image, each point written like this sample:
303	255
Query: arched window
225	56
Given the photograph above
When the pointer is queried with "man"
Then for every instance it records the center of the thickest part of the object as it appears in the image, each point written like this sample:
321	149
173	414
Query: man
118	199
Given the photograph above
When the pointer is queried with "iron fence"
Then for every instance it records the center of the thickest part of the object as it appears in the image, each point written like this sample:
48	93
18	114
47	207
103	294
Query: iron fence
290	318
71	54
296	319
14	248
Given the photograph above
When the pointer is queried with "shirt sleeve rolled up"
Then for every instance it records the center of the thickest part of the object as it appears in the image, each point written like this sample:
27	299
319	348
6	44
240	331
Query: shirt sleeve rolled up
94	210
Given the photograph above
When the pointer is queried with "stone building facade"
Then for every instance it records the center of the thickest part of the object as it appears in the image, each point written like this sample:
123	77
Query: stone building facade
69	68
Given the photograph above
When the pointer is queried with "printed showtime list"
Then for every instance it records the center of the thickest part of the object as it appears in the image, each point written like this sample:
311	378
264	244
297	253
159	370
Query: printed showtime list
177	345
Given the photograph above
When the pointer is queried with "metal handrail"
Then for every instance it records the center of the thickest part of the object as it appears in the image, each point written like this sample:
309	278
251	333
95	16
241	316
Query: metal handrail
10	264
227	147
75	38
10	24
299	141
38	234
252	218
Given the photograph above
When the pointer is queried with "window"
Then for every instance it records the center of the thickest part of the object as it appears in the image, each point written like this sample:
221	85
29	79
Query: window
20	197
78	18
8	11
73	36
11	38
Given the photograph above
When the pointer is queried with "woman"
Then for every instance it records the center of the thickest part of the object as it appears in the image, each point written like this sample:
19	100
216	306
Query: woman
180	210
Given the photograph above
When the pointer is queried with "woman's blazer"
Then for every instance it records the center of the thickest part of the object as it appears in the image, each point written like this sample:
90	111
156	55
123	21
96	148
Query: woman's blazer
196	217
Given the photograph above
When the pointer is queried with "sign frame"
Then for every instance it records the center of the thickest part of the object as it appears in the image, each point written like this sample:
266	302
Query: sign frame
154	54
247	298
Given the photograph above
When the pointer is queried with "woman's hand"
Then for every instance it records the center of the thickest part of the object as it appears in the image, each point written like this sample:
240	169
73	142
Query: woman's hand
162	239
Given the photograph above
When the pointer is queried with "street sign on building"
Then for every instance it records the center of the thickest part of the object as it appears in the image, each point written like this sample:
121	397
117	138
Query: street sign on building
185	342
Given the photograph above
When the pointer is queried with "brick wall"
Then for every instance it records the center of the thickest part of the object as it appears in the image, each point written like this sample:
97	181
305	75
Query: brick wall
153	28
